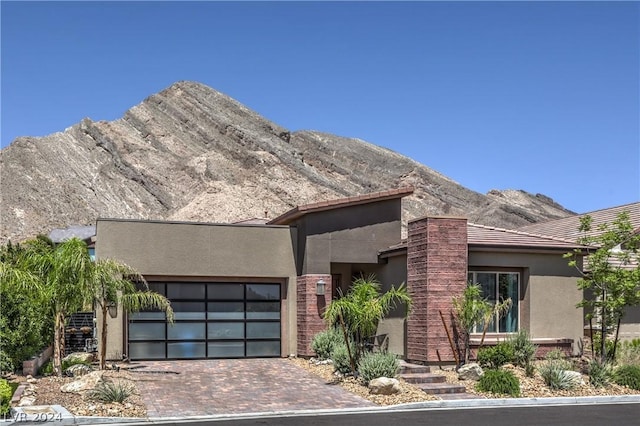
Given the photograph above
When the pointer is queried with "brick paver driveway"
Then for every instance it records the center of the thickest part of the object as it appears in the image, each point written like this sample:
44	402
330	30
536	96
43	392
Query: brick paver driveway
207	387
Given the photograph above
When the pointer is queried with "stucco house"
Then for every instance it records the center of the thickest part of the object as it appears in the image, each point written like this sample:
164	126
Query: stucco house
259	289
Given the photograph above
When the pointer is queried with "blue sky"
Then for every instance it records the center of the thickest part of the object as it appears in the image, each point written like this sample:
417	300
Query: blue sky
541	96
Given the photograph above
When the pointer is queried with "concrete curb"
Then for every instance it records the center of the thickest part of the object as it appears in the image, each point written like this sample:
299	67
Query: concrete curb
427	405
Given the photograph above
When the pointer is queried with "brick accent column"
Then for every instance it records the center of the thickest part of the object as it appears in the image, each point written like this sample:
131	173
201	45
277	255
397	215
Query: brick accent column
437	263
310	309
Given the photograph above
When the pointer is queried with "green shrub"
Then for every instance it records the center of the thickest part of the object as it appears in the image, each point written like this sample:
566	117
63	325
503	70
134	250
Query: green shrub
46	369
378	364
111	392
324	342
628	352
340	358
628	375
6	392
523	349
501	382
494	357
600	374
25	323
557	377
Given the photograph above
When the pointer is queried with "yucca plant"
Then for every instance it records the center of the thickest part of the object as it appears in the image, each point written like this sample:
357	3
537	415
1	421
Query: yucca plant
556	377
600	374
111	392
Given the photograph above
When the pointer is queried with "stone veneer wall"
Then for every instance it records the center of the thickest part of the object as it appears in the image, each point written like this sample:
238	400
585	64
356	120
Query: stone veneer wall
437	263
310	309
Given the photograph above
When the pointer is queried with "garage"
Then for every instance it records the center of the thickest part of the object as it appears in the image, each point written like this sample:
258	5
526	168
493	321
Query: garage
212	320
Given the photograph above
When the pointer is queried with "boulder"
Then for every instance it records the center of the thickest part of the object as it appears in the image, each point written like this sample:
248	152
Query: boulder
84	383
79	357
384	386
471	371
77	370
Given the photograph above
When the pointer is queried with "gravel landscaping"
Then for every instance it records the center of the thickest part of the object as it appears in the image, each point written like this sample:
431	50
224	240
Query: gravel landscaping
46	390
531	387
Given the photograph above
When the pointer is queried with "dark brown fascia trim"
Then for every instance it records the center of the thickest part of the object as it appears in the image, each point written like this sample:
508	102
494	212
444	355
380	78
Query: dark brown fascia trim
374	197
384	254
399	251
522	249
178	222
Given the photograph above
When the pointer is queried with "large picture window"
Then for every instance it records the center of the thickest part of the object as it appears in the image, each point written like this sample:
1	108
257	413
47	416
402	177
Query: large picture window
497	287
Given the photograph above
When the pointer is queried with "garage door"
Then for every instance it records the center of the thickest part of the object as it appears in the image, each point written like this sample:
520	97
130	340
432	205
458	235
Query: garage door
212	320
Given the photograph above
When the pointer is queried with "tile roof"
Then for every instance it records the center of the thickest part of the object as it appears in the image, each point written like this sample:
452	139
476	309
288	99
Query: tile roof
481	235
300	211
567	228
488	236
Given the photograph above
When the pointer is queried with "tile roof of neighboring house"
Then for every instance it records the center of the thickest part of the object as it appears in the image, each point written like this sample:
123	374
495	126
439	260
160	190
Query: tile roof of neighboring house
480	235
486	236
85	233
300	211
567	228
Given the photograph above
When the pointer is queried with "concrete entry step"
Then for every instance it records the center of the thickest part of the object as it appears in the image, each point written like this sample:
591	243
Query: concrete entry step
441	388
416	378
406	367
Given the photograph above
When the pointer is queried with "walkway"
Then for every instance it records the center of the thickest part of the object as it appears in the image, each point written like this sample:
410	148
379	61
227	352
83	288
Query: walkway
208	387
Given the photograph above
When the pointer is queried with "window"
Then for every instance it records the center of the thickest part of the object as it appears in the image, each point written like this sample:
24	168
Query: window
499	286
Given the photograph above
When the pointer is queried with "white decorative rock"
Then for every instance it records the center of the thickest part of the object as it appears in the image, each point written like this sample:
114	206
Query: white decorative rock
384	386
84	383
471	371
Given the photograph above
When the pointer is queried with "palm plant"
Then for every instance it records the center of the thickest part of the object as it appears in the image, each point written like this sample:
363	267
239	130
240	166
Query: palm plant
67	279
361	309
114	283
62	272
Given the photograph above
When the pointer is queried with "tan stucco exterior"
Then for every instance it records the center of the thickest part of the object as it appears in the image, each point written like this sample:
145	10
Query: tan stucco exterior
548	291
194	251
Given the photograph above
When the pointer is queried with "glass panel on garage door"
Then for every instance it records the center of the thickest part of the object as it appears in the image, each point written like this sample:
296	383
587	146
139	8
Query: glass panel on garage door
212	320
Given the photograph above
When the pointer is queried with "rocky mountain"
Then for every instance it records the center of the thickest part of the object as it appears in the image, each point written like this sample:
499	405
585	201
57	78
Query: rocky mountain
192	153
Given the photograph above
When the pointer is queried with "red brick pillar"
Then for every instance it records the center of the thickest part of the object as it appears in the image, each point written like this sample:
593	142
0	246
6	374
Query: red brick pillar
436	272
310	309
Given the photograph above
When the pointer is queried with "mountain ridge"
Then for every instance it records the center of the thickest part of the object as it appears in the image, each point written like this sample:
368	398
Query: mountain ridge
192	153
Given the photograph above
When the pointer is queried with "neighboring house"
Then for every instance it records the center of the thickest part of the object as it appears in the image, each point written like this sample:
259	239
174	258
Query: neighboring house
86	233
568	228
256	290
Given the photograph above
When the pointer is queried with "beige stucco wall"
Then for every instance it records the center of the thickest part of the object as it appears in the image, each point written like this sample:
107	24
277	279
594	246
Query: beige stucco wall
548	291
185	251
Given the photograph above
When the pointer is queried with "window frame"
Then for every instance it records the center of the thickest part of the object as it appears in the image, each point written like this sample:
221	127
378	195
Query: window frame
472	278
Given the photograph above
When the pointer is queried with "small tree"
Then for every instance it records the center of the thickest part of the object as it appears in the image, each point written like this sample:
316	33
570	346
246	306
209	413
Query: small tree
472	309
361	309
611	273
114	283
